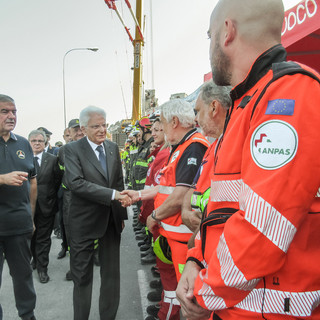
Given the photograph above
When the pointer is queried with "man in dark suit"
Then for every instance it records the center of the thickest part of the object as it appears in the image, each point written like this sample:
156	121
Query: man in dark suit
48	147
93	173
48	179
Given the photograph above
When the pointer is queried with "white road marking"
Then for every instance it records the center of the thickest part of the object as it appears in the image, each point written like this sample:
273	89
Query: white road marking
144	289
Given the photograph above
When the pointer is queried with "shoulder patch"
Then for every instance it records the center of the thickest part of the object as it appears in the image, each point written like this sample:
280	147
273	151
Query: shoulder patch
192	161
281	107
273	144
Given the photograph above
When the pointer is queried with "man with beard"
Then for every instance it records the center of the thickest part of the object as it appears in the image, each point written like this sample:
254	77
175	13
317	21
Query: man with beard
257	250
211	108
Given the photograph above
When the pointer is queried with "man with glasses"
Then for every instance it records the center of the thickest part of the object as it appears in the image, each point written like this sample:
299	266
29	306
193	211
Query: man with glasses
18	190
93	173
48	179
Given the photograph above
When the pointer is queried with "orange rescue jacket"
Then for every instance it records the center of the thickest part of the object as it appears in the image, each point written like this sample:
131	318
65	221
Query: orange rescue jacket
260	244
172	227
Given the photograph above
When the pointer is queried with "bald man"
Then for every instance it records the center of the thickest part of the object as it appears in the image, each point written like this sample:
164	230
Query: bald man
256	256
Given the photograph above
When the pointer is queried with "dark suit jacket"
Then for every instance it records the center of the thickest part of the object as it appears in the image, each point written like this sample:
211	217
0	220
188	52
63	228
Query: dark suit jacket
48	180
91	204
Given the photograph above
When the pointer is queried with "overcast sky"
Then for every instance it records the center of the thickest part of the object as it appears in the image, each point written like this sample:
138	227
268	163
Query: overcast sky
36	34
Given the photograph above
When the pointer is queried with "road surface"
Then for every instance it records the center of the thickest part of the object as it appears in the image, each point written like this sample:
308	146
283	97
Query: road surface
54	299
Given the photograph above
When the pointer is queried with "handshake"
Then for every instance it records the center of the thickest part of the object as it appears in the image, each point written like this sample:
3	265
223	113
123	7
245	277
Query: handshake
127	197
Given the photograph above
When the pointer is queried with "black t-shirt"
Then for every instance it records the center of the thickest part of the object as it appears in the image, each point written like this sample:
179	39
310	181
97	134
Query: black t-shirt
15	211
190	161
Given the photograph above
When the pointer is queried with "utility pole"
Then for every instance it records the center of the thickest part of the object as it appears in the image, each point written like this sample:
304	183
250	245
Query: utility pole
138	44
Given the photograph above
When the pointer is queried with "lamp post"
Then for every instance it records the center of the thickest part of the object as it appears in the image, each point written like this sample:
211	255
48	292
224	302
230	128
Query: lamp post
64	86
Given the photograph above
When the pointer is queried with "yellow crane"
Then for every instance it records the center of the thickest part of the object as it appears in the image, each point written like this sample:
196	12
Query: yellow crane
138	43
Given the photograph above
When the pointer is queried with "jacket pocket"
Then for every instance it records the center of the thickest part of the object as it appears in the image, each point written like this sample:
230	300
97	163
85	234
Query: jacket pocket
212	226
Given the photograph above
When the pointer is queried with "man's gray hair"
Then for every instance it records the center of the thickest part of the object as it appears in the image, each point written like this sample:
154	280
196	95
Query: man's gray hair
86	113
4	98
181	109
210	91
37	132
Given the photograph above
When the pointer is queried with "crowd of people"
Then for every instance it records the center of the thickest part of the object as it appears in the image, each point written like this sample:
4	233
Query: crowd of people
225	193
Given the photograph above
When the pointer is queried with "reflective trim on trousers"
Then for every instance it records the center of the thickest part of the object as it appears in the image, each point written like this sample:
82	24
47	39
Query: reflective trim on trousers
170	296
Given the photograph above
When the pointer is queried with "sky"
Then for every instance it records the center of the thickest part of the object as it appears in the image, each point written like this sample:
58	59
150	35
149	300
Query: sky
36	34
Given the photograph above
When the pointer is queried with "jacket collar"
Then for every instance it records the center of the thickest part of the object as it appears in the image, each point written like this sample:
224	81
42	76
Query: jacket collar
259	69
187	136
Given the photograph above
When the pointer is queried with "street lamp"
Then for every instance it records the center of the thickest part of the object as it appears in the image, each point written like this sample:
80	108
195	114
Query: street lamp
64	86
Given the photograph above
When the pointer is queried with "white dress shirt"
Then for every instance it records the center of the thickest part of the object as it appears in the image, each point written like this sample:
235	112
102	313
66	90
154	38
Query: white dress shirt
39	157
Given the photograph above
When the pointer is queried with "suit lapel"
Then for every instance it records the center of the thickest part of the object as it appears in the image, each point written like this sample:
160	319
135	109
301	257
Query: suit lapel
92	158
43	163
110	159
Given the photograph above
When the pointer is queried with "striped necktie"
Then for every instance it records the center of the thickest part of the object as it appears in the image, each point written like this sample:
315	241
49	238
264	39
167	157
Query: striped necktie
102	158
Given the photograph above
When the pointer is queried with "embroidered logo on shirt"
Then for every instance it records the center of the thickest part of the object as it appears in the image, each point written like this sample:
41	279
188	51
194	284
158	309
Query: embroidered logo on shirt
21	154
192	161
281	107
175	156
273	144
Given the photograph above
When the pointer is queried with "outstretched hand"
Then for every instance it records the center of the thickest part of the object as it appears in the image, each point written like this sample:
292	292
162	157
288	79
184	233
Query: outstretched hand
123	199
131	194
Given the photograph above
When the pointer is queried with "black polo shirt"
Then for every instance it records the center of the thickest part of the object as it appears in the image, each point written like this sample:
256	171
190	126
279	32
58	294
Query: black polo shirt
15	211
190	160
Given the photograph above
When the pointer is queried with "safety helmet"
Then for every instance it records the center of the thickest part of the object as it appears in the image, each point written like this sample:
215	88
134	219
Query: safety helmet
134	131
145	122
155	115
162	250
128	129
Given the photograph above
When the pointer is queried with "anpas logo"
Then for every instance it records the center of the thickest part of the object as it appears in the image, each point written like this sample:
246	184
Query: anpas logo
273	144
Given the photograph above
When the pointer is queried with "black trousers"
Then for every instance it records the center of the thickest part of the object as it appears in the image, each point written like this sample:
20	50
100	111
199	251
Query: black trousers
41	240
65	213
64	243
81	261
16	250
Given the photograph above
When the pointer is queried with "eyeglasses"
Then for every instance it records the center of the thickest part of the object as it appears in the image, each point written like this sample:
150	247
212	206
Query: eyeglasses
97	126
37	141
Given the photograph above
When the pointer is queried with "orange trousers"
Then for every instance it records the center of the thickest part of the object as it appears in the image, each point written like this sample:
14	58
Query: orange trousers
179	256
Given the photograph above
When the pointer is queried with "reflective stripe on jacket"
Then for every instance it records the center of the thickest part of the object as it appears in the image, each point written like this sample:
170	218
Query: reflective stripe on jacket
260	242
172	227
